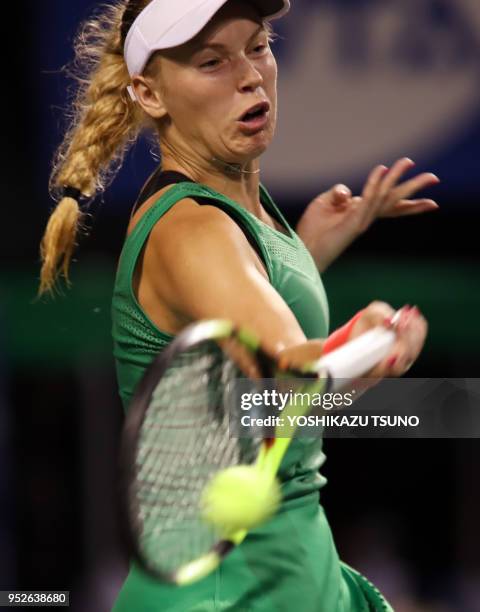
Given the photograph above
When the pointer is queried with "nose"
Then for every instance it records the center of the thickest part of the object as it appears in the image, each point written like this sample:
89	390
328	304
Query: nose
249	78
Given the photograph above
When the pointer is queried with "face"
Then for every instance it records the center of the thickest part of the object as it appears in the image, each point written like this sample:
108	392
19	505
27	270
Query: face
200	90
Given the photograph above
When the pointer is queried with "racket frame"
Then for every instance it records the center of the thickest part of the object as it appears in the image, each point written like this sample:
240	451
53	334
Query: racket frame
271	452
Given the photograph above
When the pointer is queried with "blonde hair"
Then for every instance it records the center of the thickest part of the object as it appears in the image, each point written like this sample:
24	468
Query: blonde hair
104	122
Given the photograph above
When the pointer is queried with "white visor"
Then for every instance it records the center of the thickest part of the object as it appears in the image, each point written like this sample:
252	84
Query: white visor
166	23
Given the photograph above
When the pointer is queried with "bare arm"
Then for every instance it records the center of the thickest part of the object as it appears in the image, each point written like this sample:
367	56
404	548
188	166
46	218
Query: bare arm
199	265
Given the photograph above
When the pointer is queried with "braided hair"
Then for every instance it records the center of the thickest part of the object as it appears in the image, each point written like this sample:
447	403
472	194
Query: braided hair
104	122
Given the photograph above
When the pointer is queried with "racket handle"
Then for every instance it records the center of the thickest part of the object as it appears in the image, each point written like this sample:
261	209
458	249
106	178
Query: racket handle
355	358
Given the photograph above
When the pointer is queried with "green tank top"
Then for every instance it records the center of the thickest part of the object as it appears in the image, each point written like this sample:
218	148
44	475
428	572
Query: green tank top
290	267
293	555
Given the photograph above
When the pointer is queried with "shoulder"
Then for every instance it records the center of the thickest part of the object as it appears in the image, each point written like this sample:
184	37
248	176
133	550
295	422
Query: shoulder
187	216
196	253
192	229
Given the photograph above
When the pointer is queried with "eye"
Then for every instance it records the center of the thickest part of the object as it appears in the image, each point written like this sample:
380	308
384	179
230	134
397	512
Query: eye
261	48
210	64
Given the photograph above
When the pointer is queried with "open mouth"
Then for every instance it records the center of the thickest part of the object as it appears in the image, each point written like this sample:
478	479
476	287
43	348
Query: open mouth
254	113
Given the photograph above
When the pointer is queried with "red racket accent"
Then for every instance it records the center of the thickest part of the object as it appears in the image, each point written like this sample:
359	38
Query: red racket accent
340	335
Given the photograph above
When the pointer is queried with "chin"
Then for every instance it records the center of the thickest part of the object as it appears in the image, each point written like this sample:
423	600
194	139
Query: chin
257	145
246	147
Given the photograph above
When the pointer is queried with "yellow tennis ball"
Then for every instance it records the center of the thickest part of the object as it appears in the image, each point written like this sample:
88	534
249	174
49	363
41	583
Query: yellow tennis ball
240	497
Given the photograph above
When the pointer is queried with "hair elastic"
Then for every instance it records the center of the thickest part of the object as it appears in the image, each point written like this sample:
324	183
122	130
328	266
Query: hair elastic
71	192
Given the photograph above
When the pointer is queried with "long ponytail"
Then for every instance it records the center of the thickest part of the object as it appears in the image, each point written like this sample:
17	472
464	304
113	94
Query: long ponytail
104	122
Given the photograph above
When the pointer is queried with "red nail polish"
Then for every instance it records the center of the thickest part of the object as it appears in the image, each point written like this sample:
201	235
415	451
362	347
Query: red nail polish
391	362
388	321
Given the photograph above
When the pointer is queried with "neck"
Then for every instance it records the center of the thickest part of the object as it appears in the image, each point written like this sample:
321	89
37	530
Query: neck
236	181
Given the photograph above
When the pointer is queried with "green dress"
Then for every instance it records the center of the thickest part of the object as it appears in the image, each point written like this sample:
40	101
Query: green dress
289	564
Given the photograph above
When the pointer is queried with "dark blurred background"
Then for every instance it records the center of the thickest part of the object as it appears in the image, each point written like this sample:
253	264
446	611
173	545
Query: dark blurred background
361	82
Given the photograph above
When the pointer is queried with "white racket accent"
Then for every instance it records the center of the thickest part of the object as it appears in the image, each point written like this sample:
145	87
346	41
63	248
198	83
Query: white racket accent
357	357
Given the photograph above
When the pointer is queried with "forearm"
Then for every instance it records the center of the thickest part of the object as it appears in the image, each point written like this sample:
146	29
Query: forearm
312	350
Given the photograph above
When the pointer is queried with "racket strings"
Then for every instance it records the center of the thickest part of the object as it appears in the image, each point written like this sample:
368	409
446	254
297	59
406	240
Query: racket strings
184	440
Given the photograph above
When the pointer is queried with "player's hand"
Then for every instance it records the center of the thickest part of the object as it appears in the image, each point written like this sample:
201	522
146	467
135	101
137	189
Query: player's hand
383	197
410	327
334	219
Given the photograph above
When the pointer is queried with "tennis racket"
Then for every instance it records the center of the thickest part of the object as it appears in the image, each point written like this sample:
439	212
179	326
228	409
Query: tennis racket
176	439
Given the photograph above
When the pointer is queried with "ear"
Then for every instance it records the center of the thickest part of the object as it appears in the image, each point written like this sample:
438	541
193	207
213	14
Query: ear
149	97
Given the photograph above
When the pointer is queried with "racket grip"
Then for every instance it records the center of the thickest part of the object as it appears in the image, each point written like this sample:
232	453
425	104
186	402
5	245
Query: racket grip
357	357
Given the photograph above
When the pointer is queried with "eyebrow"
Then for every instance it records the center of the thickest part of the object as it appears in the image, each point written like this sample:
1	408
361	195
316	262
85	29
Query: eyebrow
203	46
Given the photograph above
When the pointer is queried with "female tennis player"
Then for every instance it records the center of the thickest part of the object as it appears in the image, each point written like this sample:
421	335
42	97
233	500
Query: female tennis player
205	240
